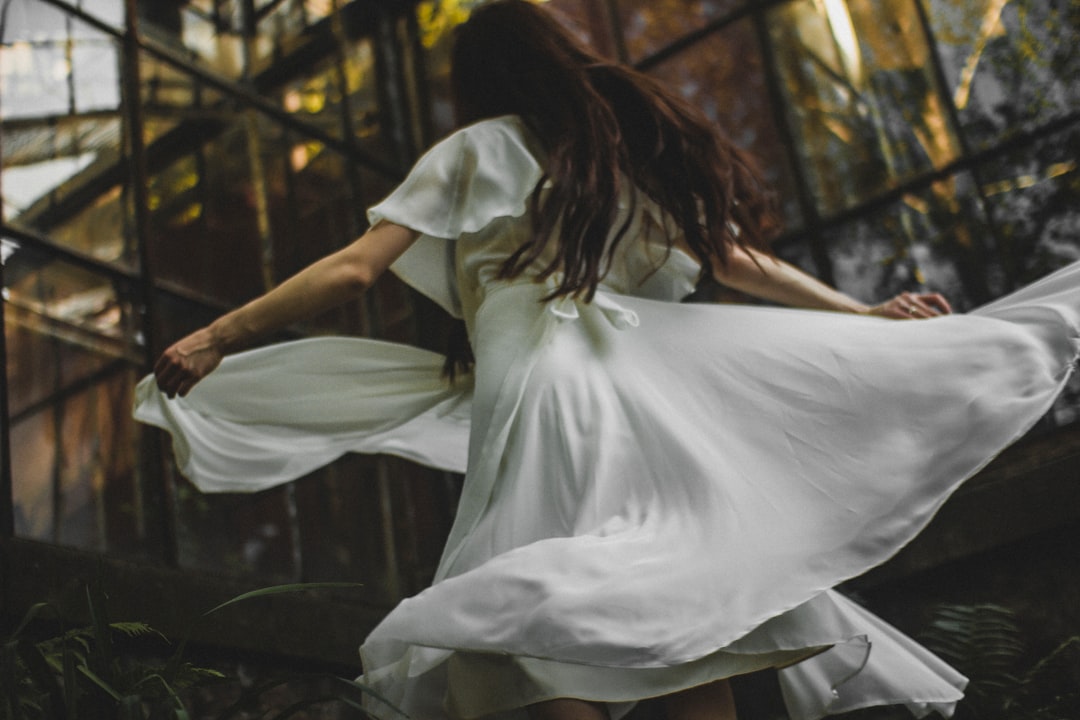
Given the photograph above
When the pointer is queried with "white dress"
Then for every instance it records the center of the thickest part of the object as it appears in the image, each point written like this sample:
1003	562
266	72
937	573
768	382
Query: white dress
657	494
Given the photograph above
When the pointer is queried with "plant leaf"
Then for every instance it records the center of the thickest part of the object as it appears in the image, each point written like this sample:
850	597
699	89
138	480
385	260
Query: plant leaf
280	589
99	682
71	682
173	666
33	612
136	629
101	652
188	676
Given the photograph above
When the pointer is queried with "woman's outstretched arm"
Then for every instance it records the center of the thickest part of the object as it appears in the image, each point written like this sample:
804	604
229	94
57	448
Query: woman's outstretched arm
770	278
331	281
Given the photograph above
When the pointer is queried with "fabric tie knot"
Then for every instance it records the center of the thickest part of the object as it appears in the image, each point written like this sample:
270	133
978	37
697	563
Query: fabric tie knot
621	318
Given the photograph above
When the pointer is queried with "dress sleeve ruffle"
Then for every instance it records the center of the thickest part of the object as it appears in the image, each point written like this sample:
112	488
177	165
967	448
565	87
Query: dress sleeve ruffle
480	173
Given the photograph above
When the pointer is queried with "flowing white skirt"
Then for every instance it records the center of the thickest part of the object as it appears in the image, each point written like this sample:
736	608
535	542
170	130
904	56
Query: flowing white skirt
657	494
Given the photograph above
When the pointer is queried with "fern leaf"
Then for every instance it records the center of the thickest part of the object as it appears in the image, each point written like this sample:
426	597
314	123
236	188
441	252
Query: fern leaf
136	629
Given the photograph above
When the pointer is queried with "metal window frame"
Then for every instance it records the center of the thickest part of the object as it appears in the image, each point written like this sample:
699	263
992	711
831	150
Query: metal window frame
143	283
815	224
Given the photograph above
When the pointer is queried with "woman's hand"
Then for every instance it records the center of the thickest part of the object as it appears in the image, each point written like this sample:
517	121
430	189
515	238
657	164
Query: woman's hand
764	276
324	284
911	306
187	362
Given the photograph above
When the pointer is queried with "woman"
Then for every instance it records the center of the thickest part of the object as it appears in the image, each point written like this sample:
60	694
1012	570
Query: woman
658	496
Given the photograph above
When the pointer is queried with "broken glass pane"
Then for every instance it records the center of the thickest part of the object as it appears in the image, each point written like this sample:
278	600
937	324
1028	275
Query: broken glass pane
860	95
1010	65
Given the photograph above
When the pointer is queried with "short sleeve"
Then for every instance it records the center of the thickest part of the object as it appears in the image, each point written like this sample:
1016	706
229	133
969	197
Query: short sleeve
460	186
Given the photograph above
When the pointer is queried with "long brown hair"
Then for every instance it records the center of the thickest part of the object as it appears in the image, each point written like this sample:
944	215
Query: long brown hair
601	122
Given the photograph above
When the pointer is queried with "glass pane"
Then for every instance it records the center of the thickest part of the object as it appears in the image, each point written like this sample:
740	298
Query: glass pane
59	300
95	71
34	65
311	208
67	179
861	98
206	191
213	31
205	233
724	76
363	92
61	134
286	26
172	99
1034	196
649	25
103	228
937	240
70	365
54	64
1010	64
208	30
109	11
79	452
316	96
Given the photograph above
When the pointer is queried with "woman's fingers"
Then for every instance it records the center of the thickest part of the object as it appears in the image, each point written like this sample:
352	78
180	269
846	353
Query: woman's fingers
938	300
926	304
170	379
167	373
185	387
184	364
914	306
174	378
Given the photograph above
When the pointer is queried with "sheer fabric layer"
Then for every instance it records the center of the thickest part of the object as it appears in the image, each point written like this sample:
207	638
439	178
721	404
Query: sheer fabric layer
657	494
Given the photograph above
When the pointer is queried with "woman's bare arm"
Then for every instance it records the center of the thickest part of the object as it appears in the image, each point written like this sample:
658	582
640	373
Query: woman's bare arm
770	278
327	283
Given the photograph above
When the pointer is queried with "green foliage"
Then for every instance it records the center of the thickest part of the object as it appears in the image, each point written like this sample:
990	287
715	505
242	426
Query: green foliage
984	643
112	670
